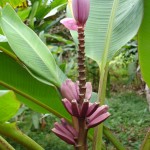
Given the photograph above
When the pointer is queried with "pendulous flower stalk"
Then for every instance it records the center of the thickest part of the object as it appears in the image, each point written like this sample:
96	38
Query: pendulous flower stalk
76	95
81	64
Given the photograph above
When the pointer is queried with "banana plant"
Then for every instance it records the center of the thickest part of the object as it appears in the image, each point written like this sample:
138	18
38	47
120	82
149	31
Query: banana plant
110	25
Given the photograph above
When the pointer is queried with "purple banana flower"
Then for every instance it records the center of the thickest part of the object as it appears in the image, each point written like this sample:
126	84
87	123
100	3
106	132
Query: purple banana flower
81	10
98	120
66	132
93	113
98	116
70	90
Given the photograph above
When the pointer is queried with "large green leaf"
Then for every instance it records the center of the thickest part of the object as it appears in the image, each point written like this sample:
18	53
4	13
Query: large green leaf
111	24
30	91
143	43
28	47
9	105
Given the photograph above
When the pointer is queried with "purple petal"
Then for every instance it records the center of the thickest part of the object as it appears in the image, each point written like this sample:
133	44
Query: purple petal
84	108
69	23
81	10
67	105
88	90
92	108
98	120
64	137
75	108
69	127
69	90
100	110
73	87
63	129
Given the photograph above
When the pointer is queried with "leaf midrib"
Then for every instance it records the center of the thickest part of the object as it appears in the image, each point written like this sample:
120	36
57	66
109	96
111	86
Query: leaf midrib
32	99
109	33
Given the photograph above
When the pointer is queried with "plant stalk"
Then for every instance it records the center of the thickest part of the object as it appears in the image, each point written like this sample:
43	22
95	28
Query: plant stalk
81	64
108	134
11	131
82	138
98	131
4	145
146	143
82	132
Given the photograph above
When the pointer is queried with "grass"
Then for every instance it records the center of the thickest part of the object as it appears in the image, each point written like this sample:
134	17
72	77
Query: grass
129	122
130	119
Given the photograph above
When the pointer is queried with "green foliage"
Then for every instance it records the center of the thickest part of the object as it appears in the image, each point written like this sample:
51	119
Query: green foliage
119	23
30	91
56	4
144	46
14	3
40	20
110	26
9	105
123	68
28	47
43	134
129	118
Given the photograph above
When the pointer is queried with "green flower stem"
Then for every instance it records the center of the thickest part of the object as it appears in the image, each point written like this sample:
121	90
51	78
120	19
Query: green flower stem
146	142
4	145
113	139
7	52
98	131
11	131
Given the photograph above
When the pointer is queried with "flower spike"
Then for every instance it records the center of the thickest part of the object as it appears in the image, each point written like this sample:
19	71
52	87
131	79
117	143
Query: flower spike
81	10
